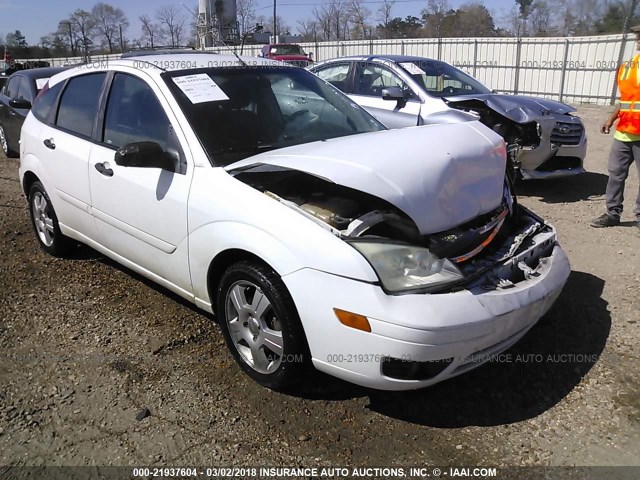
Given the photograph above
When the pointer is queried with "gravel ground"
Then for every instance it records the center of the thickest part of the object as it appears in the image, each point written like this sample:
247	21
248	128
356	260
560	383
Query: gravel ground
86	345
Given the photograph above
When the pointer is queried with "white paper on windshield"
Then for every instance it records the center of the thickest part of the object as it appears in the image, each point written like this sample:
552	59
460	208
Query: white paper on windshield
412	68
41	82
200	88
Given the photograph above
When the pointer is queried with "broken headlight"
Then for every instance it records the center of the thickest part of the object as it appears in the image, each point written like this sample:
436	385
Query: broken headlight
405	267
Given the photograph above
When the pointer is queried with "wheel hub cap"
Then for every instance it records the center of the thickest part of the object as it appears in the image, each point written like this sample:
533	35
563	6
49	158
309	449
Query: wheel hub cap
254	326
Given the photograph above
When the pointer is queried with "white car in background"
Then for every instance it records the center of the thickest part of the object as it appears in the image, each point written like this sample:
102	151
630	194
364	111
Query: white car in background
392	259
544	138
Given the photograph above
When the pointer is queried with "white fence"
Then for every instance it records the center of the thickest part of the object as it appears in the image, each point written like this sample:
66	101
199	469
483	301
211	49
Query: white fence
573	69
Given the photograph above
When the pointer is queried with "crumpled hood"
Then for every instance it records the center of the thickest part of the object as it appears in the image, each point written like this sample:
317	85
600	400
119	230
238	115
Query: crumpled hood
439	175
518	108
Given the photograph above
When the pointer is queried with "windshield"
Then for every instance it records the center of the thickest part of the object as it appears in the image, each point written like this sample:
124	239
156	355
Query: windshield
440	79
286	50
239	112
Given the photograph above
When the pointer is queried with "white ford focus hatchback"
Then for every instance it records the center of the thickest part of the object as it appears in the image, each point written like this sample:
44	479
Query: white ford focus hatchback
392	259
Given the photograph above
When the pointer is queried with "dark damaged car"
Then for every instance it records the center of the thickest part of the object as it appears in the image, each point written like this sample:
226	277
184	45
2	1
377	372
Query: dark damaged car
544	137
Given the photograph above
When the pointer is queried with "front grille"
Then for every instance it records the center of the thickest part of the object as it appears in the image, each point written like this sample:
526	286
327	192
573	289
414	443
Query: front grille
566	133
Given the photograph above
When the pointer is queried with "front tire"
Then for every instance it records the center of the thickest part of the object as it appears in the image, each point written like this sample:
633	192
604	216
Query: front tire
260	325
4	143
45	223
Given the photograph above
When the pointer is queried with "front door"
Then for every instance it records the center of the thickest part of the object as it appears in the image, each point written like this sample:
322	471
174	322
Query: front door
141	212
369	81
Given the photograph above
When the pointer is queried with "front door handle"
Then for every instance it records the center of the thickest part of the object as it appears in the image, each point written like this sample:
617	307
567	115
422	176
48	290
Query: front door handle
104	169
49	144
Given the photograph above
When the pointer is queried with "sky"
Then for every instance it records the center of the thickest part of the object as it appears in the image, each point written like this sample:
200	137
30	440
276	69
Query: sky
36	18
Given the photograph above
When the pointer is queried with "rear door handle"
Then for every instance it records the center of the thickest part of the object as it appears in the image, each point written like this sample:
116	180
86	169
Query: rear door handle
104	169
49	144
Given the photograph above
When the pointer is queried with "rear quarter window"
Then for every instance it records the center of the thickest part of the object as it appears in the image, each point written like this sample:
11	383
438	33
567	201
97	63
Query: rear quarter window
44	104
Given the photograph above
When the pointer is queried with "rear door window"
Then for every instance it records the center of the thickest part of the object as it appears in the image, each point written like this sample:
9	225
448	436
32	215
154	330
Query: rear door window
79	104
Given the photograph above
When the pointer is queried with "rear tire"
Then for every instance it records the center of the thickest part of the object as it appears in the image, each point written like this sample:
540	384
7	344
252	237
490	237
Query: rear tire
45	223
261	326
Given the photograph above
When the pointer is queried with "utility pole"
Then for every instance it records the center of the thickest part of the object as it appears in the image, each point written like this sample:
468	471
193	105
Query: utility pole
121	40
275	29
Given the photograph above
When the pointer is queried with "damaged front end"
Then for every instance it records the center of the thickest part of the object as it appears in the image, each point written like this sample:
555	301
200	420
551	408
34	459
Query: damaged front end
494	250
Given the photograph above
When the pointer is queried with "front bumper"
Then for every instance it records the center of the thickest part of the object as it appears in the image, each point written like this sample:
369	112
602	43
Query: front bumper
549	160
464	327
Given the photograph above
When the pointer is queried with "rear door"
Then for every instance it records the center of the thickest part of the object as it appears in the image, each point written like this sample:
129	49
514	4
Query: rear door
141	212
65	147
370	79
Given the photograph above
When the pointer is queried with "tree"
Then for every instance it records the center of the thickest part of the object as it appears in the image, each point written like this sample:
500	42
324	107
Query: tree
333	19
524	9
150	31
410	27
110	23
17	44
309	30
358	15
246	10
541	18
613	20
471	20
587	13
81	28
384	17
434	16
173	23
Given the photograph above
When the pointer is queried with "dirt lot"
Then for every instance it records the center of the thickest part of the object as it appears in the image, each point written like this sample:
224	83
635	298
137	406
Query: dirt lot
85	345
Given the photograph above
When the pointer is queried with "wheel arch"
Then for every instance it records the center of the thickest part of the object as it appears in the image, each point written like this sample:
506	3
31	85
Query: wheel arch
28	180
219	265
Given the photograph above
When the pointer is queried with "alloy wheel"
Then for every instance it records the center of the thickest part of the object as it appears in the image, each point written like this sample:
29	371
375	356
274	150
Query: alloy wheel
254	329
42	218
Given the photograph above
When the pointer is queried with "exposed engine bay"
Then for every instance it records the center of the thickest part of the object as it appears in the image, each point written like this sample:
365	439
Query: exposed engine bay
475	246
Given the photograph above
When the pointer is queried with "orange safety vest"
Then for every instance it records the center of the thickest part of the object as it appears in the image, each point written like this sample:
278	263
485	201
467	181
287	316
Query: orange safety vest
629	116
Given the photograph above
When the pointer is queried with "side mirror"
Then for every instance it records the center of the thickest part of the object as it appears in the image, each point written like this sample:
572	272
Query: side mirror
394	93
147	155
20	103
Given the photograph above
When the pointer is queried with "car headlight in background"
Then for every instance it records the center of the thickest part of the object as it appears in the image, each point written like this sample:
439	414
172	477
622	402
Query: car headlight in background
404	267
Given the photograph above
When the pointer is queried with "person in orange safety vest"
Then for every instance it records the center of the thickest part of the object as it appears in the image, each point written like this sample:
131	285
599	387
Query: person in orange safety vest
626	140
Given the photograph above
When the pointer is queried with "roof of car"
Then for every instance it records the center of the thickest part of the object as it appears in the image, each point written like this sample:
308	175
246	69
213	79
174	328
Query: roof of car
157	64
189	61
163	51
45	72
392	58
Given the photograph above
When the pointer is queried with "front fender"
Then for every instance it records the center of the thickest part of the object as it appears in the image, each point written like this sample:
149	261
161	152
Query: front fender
210	240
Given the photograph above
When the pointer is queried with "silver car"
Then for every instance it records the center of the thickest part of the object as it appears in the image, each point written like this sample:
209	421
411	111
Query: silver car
543	137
